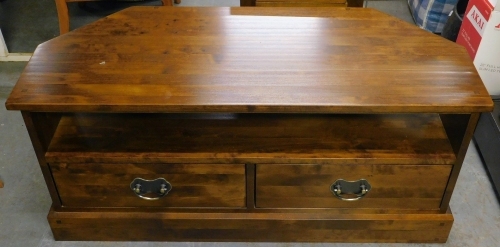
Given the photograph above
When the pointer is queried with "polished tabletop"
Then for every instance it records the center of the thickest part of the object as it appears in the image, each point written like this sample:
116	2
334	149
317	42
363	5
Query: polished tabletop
250	59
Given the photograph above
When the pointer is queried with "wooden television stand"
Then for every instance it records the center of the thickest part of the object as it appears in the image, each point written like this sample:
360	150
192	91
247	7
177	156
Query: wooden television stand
250	124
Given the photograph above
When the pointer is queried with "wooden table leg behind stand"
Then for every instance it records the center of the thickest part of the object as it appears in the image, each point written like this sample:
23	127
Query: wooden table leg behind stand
63	16
316	3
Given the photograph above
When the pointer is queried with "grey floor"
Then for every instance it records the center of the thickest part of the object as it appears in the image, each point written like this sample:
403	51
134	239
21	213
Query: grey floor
24	202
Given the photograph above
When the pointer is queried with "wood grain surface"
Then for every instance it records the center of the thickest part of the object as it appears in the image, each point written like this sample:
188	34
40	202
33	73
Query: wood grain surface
298	226
301	3
108	185
246	138
251	114
392	186
302	60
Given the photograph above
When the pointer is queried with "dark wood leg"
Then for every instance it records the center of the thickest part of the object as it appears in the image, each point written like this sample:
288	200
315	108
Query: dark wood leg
355	3
247	2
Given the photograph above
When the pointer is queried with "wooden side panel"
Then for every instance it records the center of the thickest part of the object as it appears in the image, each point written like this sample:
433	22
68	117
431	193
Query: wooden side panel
308	186
301	3
263	227
455	126
460	130
41	128
108	185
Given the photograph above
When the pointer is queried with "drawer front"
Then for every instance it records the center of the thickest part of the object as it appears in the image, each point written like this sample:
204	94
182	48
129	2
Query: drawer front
301	3
392	186
108	185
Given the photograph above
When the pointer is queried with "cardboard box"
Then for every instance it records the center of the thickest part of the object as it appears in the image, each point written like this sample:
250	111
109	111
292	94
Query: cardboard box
487	60
474	23
480	34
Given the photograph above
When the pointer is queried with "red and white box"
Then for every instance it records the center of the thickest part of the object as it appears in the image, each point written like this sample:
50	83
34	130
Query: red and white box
480	35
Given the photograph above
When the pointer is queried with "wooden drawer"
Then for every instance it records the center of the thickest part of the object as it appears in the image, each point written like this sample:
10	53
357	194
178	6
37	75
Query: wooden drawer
108	185
301	3
392	186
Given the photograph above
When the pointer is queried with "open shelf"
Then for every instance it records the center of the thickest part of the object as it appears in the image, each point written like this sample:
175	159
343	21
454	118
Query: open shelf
291	138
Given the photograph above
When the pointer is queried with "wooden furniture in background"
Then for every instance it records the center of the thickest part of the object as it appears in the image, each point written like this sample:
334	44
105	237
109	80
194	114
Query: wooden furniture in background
303	3
1	184
249	118
63	15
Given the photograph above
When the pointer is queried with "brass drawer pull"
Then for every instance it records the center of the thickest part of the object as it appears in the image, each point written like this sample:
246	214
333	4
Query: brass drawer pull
159	186
358	189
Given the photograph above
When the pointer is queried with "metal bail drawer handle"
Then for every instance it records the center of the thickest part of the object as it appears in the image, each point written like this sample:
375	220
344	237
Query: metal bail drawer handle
357	188
159	186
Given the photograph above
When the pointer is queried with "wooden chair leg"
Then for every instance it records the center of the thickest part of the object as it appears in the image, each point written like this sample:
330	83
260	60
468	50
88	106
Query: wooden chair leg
63	16
1	184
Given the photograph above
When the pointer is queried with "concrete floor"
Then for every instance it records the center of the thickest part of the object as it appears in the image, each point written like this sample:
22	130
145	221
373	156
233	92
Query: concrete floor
24	202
